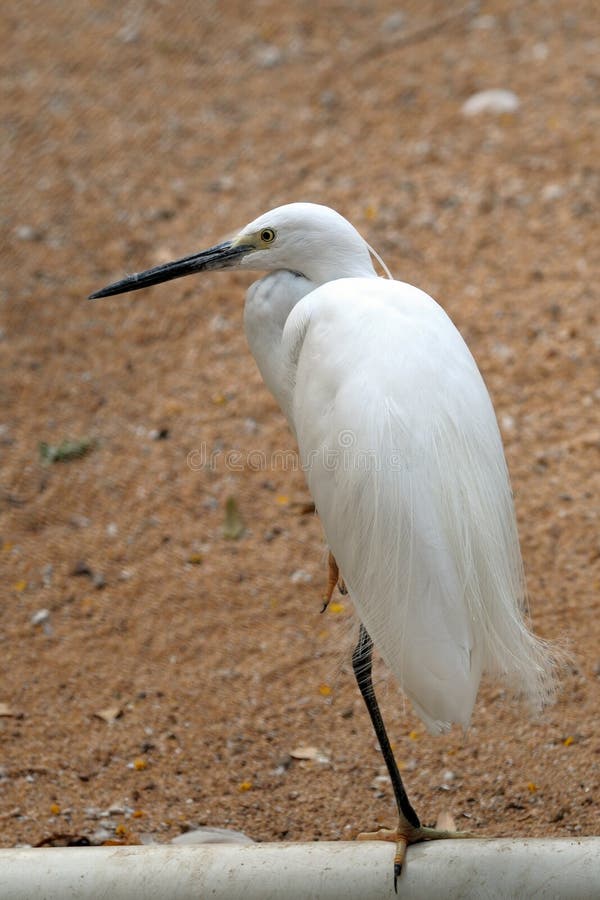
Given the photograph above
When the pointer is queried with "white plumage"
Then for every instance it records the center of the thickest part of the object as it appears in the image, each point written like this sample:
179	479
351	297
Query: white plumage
404	460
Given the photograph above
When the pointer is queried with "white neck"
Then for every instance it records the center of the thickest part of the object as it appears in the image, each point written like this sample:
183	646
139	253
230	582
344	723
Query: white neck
268	305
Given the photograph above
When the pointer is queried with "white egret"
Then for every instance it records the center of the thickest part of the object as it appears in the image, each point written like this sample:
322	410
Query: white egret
403	458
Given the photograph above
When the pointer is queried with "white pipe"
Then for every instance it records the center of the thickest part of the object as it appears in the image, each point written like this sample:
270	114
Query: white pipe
444	870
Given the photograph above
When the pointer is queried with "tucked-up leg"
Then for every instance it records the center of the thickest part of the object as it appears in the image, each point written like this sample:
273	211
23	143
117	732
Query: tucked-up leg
333	579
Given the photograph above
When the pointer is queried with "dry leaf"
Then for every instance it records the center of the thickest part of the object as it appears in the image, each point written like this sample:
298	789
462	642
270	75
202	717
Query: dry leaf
233	528
303	507
6	710
110	714
66	450
304	753
311	753
195	559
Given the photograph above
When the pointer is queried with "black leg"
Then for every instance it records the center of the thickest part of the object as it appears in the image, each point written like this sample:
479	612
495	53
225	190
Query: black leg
362	663
409	830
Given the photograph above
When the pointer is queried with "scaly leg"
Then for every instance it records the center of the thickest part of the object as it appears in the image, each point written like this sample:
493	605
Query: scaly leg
410	830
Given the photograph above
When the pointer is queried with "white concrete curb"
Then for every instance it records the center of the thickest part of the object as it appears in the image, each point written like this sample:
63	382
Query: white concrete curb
444	870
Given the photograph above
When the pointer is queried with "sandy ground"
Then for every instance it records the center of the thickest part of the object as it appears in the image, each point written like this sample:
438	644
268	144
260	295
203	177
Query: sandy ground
156	676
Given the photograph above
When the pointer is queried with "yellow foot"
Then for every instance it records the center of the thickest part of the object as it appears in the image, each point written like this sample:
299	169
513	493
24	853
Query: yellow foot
333	579
407	834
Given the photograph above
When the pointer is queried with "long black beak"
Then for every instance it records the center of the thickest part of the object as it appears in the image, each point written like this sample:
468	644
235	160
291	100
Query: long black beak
219	257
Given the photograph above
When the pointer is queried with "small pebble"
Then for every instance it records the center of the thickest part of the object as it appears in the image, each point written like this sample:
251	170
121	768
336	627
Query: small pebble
540	51
394	22
219	323
27	233
128	34
80	521
496	100
267	56
98	580
484	22
92	812
300	576
551	192
116	810
101	835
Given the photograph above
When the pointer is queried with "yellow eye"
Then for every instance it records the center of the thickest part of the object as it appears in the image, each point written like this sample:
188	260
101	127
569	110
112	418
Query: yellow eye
267	235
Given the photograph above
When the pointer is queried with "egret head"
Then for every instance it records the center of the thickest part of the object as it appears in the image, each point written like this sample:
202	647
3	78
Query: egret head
307	238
